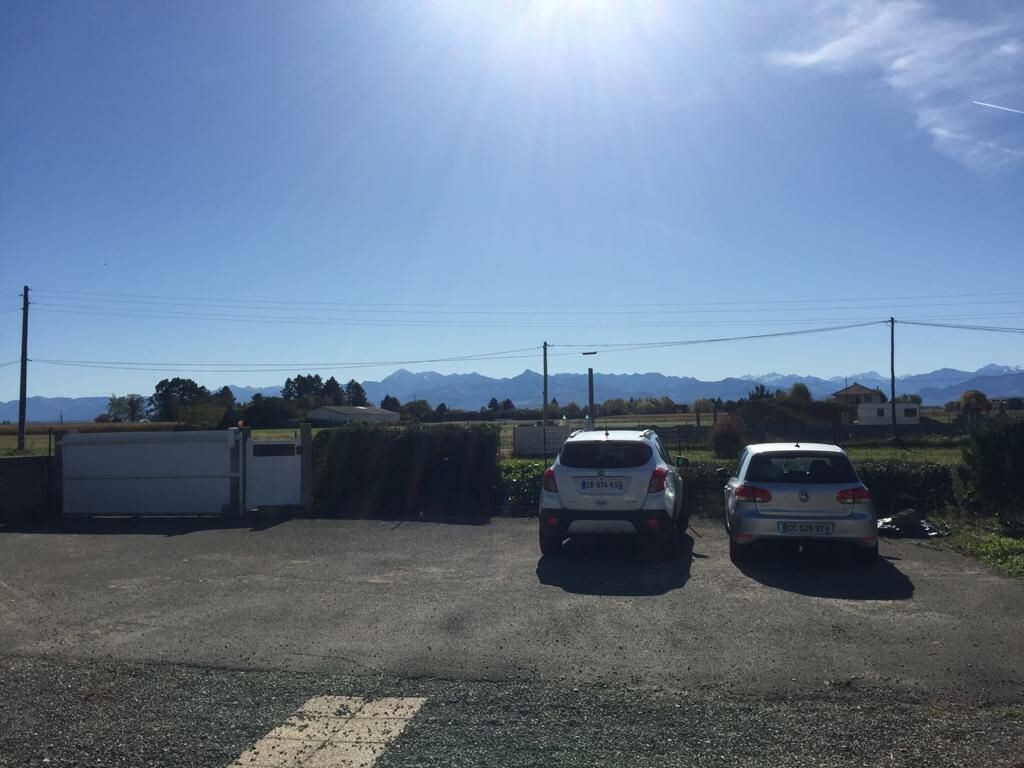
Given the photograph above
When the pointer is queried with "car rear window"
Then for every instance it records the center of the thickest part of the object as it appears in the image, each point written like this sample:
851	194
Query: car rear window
805	468
605	455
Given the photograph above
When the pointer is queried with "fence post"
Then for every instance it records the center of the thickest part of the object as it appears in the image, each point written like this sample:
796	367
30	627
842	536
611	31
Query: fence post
306	466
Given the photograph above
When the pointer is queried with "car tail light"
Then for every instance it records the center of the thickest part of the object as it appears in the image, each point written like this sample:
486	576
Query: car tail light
858	495
549	481
659	478
751	493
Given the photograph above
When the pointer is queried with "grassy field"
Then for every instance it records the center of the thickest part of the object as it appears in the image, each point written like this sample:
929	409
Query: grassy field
37	441
983	539
37	435
35	445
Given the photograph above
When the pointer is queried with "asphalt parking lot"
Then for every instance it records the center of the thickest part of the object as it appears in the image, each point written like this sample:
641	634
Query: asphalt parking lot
592	657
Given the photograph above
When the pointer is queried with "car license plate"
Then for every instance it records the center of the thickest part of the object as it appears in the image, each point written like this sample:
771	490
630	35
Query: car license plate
603	485
805	529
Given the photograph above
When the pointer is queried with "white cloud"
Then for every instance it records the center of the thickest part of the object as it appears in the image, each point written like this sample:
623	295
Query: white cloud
939	64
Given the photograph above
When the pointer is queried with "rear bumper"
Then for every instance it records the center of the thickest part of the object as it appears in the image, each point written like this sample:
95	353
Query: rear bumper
748	527
650	523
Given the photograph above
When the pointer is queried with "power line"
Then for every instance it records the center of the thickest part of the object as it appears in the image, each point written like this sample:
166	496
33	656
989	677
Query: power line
505	355
174	307
993	329
689	342
477	356
559	322
553	323
512	354
278	367
389	305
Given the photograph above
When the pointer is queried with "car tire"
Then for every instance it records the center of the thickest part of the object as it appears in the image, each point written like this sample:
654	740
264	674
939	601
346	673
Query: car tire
739	553
550	546
866	555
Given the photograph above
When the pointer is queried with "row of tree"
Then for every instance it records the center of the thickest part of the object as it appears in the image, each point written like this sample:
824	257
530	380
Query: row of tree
974	401
313	391
186	402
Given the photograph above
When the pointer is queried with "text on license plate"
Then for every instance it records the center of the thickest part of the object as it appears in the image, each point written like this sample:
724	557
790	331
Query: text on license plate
806	529
603	485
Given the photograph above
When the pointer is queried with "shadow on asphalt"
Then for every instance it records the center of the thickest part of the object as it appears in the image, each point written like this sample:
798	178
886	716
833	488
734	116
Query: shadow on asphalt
178	526
614	566
436	515
828	573
147	526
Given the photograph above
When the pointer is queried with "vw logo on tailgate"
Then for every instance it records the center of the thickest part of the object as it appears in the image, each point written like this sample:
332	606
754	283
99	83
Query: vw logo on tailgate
804	496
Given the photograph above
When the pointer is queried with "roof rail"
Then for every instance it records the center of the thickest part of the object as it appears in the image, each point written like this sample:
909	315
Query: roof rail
575	432
647	433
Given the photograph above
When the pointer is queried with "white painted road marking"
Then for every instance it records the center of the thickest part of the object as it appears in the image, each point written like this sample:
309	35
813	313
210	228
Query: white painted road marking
332	732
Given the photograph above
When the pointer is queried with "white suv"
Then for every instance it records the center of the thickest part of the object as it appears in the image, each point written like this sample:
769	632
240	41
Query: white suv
613	482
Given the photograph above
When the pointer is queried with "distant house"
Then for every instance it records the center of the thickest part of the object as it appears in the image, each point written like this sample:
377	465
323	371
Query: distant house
881	413
332	415
857	394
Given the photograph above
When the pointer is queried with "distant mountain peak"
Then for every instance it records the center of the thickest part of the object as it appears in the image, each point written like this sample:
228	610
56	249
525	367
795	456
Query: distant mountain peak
473	390
993	369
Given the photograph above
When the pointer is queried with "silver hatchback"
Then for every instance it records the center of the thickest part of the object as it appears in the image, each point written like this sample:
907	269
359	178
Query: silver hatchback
801	492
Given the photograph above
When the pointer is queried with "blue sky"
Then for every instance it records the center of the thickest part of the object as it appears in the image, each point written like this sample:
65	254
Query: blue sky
201	186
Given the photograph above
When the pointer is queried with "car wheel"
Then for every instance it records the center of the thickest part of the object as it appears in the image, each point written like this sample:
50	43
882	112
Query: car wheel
550	546
866	555
739	553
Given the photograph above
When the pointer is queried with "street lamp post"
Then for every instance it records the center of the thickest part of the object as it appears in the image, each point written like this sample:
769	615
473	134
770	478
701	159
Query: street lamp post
590	391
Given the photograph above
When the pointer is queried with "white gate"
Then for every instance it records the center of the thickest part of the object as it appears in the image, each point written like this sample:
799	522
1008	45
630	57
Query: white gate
273	473
152	473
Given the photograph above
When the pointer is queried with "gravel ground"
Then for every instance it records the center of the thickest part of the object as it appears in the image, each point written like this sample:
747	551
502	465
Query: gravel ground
180	644
372	597
106	713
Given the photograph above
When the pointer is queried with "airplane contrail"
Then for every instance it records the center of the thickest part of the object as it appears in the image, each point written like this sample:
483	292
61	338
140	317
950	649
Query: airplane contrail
996	106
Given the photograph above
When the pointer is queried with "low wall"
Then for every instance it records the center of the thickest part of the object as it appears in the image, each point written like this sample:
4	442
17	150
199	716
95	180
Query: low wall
880	431
24	488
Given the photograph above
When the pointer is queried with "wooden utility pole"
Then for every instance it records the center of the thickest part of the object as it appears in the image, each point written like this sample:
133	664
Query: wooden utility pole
892	373
590	396
24	369
544	405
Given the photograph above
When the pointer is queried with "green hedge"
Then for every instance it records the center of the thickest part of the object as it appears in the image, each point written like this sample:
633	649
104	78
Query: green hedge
994	468
893	485
519	487
454	470
897	485
702	490
383	471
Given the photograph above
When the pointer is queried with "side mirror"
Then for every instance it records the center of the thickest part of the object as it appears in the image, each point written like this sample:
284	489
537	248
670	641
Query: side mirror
682	461
722	474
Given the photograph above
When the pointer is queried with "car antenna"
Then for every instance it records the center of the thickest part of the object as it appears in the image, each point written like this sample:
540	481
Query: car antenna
797	444
606	433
